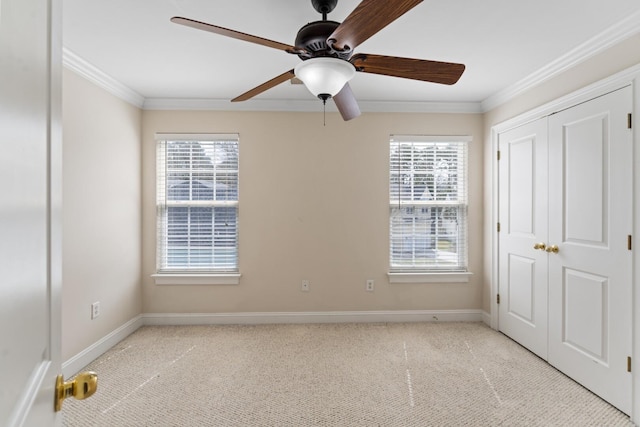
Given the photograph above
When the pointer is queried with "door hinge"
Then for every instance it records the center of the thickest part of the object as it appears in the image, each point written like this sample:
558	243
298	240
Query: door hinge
629	364
629	242
629	121
498	227
498	298
498	155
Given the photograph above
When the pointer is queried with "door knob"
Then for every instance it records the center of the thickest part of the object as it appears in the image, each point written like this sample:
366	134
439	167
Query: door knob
553	249
81	387
539	246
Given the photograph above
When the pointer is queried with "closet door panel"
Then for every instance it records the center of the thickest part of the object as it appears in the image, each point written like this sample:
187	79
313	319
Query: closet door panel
590	217
586	192
587	311
523	220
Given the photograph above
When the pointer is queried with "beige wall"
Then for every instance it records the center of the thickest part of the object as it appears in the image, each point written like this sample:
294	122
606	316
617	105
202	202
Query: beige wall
313	205
101	219
617	58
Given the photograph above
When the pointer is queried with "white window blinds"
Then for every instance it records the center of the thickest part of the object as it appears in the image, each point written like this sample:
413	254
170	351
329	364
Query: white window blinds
197	203
428	203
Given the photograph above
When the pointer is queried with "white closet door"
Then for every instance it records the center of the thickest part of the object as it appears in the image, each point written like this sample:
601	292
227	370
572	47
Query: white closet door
523	221
590	218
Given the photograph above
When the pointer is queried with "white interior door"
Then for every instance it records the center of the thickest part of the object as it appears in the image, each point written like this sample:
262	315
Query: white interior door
590	199
523	221
30	265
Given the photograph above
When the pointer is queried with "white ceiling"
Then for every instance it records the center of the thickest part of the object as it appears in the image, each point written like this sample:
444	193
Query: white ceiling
502	42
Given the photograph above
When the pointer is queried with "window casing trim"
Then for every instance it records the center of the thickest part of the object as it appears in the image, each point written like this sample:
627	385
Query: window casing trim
431	138
222	275
189	278
399	271
429	276
208	137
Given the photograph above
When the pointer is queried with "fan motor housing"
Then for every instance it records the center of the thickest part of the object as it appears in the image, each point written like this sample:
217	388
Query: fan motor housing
324	6
313	38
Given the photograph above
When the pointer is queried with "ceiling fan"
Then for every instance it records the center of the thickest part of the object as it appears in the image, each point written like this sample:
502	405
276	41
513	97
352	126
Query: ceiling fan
326	49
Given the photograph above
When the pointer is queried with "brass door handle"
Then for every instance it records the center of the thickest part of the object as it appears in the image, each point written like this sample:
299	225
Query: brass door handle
540	246
553	249
82	386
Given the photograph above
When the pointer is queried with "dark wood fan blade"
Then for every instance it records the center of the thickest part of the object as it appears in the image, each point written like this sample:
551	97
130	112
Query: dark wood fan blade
446	73
369	17
264	86
346	102
236	34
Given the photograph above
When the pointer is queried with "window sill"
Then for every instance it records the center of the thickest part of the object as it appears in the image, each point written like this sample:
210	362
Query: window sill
430	277
196	279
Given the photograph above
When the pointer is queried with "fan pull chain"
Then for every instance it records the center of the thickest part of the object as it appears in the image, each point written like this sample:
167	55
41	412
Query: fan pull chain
324	97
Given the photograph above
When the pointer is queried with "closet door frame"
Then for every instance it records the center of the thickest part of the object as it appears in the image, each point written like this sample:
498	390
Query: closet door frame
629	77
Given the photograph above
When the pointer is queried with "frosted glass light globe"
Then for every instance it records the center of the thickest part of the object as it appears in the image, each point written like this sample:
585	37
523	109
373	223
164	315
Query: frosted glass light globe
325	76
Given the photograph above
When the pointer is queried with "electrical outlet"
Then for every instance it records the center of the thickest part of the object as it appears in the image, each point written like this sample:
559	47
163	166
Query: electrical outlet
369	285
305	286
95	310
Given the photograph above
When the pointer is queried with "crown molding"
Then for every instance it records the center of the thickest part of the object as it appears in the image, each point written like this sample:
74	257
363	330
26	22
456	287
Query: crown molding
601	42
420	107
624	29
310	105
75	63
78	65
226	105
609	84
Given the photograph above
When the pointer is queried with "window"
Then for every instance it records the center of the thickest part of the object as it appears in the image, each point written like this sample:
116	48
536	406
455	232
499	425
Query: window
428	204
197	204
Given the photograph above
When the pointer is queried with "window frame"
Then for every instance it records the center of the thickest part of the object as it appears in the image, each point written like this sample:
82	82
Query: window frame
190	275
423	273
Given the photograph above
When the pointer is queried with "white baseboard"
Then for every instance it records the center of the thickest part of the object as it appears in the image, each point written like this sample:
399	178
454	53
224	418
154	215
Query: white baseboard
486	318
85	357
91	353
314	317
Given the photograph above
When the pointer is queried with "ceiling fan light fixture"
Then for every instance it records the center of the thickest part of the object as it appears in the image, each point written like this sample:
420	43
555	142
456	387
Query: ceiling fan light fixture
325	75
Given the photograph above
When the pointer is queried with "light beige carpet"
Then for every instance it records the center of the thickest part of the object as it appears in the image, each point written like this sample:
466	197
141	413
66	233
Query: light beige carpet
410	374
